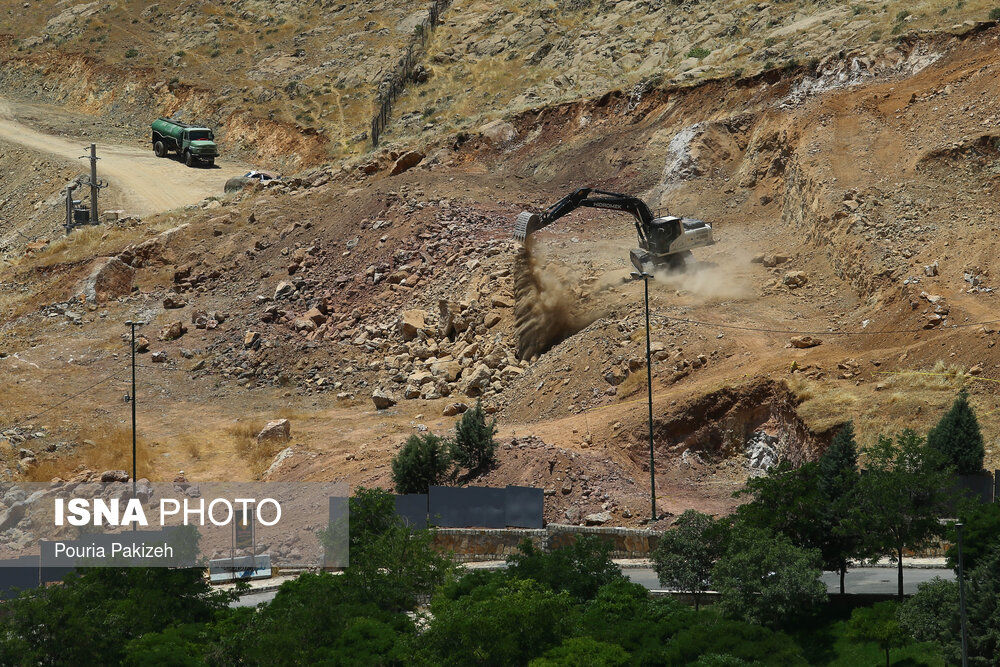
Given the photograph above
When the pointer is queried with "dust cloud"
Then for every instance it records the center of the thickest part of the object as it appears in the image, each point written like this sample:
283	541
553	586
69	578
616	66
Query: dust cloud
550	303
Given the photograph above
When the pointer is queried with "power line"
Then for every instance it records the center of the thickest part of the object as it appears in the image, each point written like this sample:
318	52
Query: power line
820	333
64	401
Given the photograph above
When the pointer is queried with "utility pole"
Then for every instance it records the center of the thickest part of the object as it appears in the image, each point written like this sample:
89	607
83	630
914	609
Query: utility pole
133	324
961	598
649	393
95	185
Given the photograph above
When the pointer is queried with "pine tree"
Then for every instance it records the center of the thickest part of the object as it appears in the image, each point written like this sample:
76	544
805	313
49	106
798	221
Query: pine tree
837	481
473	447
423	461
957	437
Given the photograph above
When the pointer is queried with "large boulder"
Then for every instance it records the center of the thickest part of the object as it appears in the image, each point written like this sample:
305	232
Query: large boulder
278	430
406	161
477	381
803	342
411	322
173	331
498	132
382	399
109	279
795	279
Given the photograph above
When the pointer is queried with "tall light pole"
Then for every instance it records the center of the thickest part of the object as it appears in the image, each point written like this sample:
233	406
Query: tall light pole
961	598
133	324
649	392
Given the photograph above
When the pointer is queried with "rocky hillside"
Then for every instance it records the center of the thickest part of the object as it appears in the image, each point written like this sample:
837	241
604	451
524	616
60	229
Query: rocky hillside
371	297
293	83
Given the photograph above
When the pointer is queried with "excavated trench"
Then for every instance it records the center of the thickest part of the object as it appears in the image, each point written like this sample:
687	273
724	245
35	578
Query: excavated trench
730	422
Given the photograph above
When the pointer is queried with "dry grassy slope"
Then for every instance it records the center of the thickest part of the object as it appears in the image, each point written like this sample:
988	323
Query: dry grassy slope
839	182
272	74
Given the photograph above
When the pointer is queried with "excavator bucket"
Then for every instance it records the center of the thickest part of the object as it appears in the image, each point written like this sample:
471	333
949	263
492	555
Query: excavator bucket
525	224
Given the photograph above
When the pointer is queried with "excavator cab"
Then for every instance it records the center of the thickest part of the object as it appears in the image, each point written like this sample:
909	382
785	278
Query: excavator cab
662	233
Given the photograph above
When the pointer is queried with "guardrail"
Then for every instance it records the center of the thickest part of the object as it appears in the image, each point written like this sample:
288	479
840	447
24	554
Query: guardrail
388	93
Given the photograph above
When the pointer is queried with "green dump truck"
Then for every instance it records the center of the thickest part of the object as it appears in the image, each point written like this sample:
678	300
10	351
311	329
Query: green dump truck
194	144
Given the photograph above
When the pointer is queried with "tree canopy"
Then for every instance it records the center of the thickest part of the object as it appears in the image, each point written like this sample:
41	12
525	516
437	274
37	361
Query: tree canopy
957	437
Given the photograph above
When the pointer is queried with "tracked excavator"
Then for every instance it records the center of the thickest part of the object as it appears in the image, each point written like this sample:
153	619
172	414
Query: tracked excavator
664	242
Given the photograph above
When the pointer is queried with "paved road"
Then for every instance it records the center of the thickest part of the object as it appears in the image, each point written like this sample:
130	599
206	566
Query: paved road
861	580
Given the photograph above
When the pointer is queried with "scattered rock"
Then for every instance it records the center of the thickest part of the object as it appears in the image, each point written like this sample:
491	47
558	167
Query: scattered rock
172	331
795	279
284	290
382	399
598	519
498	132
804	341
173	301
774	260
158	357
453	409
406	161
931	270
411	322
278	430
109	476
279	459
251	339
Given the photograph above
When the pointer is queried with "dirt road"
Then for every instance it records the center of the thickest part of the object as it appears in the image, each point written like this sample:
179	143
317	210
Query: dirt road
146	184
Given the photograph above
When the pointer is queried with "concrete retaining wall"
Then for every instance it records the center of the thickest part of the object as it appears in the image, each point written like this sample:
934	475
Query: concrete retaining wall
480	544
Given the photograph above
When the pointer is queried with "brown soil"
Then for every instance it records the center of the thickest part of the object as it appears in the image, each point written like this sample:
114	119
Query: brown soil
860	187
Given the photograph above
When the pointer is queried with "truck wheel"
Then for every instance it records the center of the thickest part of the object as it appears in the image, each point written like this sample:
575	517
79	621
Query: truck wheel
188	158
160	149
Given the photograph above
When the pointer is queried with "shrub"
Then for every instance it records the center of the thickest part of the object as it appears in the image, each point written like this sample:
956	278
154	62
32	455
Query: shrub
423	461
698	52
473	447
131	53
995	14
580	568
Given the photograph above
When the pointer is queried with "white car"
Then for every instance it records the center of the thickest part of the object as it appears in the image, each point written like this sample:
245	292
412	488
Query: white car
262	176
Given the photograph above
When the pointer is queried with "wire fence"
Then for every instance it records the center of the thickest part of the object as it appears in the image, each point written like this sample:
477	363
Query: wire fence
391	89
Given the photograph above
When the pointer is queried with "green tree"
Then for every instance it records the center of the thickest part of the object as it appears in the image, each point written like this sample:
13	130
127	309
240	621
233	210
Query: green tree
901	498
686	553
983	605
422	462
957	437
728	641
392	564
765	579
932	615
623	613
473	447
837	484
580	568
91	617
505	622
582	652
878	624
980	535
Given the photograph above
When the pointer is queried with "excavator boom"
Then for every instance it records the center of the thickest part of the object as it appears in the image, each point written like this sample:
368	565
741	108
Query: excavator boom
662	241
